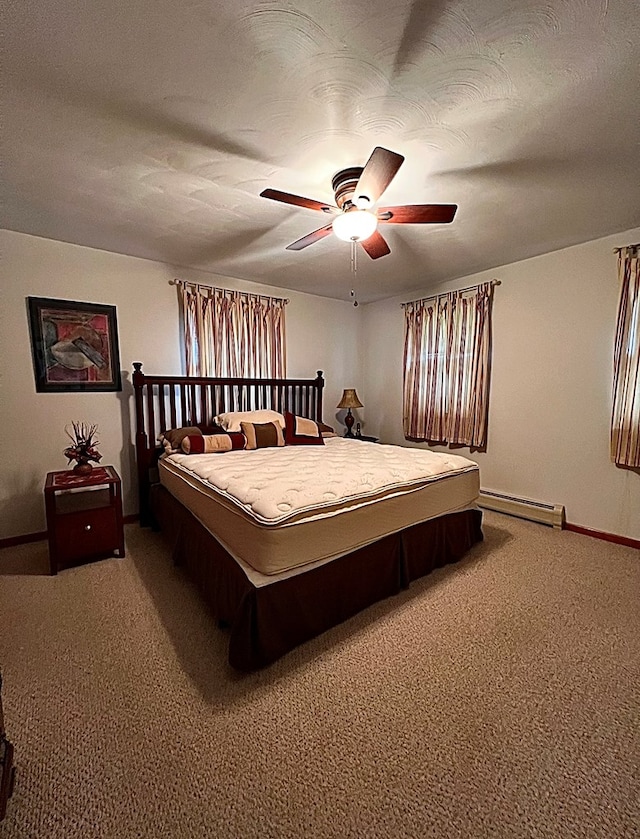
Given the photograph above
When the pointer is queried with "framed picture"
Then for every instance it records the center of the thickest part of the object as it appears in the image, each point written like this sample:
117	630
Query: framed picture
74	345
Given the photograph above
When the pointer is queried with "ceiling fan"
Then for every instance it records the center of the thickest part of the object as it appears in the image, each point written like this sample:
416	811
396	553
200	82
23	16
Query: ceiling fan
356	190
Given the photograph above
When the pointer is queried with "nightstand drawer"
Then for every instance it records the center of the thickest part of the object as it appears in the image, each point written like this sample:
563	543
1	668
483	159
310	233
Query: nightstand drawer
86	534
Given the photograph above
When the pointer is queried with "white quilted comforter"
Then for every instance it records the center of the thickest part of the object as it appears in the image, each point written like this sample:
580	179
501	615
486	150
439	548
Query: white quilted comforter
275	485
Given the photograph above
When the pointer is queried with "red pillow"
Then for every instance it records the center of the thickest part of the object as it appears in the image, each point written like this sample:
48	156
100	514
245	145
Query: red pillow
299	431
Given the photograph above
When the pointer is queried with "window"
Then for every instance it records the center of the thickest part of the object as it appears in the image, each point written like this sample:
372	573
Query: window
231	333
447	361
625	417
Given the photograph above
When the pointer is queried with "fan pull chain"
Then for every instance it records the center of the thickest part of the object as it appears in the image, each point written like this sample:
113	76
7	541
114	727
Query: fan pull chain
354	269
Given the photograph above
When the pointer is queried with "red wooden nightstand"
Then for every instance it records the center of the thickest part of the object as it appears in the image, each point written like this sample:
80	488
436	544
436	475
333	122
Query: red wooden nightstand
84	516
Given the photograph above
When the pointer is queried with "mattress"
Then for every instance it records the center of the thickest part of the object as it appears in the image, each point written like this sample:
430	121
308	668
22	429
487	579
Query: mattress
278	510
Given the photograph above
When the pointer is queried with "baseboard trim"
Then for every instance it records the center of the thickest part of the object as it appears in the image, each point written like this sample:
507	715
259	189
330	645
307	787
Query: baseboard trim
12	541
606	537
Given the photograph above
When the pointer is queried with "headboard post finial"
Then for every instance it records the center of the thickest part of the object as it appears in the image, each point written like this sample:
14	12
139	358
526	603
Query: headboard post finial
138	375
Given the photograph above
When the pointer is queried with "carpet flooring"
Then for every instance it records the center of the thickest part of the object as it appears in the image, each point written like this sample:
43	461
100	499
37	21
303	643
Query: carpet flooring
499	697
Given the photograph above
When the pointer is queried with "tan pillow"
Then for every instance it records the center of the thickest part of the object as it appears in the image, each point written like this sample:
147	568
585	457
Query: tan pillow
262	435
231	420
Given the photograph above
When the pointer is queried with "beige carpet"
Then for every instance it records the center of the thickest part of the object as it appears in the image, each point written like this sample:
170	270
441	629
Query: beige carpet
495	698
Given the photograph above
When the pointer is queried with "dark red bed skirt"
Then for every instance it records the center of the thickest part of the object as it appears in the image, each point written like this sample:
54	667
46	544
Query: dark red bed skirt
267	622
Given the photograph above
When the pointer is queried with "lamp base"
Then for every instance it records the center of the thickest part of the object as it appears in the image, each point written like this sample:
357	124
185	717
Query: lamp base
348	421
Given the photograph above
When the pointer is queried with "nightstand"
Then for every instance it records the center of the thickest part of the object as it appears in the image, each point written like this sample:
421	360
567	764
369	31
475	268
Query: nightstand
84	516
362	437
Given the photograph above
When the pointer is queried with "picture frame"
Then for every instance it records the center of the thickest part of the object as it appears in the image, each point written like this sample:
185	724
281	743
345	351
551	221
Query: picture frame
74	346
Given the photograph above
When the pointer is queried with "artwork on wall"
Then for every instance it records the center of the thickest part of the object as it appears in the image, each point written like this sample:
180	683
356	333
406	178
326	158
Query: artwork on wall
74	345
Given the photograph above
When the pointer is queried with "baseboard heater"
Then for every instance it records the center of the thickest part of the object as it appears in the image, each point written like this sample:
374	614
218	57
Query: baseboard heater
551	514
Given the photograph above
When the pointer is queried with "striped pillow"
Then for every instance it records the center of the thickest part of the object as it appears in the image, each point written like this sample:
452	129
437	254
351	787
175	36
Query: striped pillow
262	435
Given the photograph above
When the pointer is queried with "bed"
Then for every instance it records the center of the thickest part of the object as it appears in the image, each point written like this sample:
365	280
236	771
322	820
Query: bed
287	541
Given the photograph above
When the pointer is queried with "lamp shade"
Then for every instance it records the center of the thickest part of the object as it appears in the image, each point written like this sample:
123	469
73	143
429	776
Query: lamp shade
349	399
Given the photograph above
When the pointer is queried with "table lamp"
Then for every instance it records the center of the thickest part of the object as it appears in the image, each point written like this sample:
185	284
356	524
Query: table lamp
349	400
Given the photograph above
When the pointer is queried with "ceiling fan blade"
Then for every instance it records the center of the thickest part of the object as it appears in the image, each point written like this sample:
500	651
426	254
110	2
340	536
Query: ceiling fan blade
298	201
378	173
418	214
310	238
375	245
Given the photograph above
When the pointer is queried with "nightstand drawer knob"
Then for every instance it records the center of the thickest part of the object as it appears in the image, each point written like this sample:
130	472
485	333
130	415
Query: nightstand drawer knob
87	527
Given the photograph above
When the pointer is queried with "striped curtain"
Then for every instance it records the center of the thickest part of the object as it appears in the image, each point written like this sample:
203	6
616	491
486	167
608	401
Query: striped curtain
231	333
447	362
625	418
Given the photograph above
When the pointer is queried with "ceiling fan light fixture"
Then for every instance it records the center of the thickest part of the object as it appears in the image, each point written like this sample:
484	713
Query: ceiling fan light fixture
355	225
356	190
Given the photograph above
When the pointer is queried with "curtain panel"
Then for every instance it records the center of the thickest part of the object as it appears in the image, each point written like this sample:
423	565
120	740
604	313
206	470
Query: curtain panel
447	363
625	418
232	333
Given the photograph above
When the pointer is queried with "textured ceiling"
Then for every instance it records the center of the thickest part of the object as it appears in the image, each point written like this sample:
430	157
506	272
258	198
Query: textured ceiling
150	127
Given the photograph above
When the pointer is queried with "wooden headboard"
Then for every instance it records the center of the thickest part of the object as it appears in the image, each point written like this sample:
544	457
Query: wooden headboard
164	402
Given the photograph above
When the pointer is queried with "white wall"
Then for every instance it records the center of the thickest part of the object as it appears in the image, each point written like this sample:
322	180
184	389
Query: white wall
550	406
554	321
322	334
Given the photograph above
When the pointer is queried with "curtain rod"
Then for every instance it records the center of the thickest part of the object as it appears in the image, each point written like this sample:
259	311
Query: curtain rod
433	296
624	248
204	285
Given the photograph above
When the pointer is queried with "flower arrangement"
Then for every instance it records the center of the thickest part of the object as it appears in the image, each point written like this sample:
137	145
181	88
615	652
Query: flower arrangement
83	450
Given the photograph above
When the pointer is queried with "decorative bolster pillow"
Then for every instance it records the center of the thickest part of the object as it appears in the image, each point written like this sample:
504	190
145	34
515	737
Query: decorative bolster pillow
262	435
299	431
212	443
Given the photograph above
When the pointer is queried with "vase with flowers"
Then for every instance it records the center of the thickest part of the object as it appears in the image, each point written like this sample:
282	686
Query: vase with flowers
83	449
